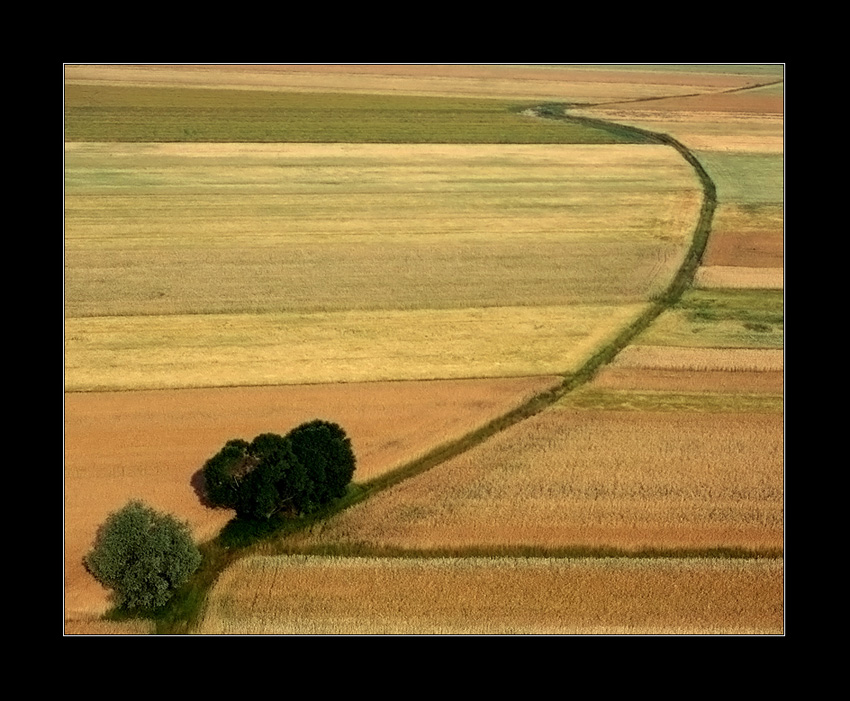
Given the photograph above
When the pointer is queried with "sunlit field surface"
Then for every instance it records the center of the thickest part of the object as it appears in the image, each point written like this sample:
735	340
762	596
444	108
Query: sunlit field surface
654	478
505	596
152	445
205	265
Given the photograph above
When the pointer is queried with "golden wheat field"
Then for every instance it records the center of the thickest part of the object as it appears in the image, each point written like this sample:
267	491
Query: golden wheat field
664	380
150	445
603	479
299	595
697	358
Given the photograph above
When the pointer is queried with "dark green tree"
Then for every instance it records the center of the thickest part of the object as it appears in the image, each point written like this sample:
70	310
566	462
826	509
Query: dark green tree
325	451
277	481
224	472
143	556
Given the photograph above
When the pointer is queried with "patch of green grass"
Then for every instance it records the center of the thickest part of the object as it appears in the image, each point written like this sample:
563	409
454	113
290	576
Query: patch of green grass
157	114
721	319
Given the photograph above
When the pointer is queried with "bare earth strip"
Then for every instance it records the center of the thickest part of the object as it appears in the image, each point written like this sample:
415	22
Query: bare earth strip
724	359
149	445
717	276
587	478
690	380
502	596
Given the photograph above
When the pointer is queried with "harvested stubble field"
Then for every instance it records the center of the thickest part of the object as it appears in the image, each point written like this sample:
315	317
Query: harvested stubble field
584	83
737	382
566	478
362	596
200	265
150	445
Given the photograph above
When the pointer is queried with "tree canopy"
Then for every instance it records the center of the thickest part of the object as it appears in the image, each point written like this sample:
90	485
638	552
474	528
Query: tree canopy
143	556
295	474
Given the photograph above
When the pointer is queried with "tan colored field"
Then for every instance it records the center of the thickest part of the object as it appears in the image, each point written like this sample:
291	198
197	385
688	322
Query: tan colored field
363	596
590	478
587	83
739	278
690	380
722	359
149	445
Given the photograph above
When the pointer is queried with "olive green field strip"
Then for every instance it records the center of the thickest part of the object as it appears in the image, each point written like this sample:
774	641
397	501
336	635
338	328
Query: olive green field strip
171	114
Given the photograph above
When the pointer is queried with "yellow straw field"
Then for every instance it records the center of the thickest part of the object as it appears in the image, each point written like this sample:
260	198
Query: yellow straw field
724	359
505	596
601	479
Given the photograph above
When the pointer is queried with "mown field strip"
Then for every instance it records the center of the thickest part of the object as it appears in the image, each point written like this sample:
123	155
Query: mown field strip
213	228
583	478
727	277
151	445
726	359
109	353
344	596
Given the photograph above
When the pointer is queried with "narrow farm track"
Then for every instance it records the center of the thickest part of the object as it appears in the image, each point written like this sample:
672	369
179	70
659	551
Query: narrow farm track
728	91
186	609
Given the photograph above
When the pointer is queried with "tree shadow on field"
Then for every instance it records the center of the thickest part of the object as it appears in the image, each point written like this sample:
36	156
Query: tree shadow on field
199	485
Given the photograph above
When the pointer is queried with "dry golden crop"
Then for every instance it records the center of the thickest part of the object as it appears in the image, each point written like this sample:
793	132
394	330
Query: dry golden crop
696	358
347	596
583	478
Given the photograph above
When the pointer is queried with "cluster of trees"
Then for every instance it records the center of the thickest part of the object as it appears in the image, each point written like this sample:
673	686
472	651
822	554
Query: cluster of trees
295	474
145	556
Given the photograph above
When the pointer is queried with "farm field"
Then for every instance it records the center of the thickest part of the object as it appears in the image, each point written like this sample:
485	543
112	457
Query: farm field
412	252
150	445
610	479
496	596
203	265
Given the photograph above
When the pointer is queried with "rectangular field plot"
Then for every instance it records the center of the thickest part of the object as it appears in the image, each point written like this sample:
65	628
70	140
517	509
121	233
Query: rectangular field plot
571	478
503	596
206	228
159	352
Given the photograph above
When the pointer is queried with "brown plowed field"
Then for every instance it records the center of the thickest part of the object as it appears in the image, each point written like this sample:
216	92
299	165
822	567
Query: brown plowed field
751	249
150	444
770	382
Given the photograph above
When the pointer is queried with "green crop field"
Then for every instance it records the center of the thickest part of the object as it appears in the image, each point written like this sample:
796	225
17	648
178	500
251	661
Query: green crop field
156	114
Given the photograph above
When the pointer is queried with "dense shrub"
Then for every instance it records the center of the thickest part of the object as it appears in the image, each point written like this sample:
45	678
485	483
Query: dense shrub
143	556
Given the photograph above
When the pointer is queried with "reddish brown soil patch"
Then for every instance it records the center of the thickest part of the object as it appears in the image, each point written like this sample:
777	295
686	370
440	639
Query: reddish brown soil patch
749	249
770	382
150	444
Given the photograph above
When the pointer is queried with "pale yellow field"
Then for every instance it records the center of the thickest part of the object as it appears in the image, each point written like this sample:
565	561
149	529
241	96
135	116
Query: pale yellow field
157	352
588	83
680	358
571	478
151	445
232	228
505	596
739	278
208	265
